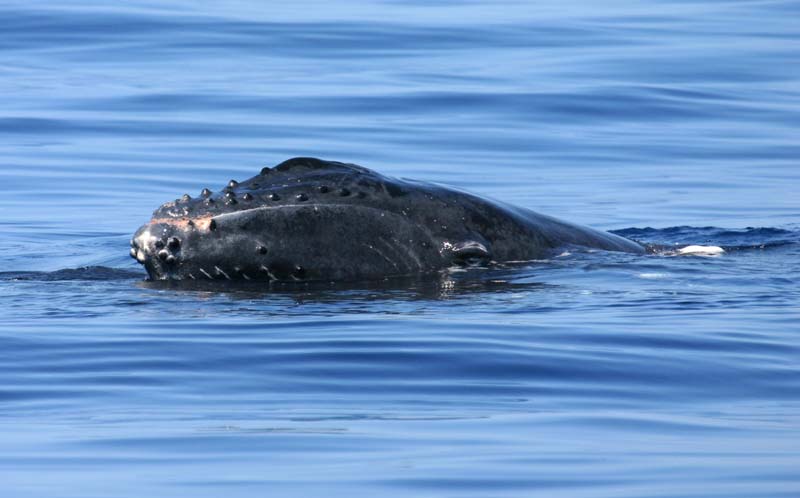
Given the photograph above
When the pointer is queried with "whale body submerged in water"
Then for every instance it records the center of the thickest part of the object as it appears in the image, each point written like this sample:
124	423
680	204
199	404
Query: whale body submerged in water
309	219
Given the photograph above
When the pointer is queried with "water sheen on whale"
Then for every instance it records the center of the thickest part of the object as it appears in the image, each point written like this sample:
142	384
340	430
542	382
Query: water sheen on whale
308	219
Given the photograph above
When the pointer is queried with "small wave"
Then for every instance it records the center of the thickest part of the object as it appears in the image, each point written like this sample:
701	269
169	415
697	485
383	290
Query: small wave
678	240
82	273
730	240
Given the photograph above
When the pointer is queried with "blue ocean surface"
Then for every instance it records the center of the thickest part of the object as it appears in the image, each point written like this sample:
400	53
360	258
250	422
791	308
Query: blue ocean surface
590	375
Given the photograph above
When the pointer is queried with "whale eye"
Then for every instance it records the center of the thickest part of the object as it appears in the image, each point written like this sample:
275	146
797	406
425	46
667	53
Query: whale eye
471	253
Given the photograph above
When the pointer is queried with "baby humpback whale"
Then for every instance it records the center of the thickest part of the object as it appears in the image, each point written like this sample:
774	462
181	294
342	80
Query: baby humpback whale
309	219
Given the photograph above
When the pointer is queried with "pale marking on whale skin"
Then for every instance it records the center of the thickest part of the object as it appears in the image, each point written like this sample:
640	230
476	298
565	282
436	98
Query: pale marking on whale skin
142	241
379	253
219	270
408	253
392	250
269	273
200	222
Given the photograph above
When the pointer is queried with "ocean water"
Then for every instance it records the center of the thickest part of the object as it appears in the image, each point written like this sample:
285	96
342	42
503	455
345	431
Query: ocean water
591	375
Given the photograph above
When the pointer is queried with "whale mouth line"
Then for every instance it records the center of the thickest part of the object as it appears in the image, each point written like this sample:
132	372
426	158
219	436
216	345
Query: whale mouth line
182	220
287	206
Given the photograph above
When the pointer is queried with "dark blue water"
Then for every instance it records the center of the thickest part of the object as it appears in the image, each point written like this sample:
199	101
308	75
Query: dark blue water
590	375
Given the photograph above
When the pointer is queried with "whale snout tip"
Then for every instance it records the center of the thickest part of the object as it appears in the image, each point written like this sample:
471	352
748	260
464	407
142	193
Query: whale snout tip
156	246
142	243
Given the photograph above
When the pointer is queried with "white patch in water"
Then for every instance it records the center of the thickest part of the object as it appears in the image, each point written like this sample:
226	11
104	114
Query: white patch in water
701	250
652	275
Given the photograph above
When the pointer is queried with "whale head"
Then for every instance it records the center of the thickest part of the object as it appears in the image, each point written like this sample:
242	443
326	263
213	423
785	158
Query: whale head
304	219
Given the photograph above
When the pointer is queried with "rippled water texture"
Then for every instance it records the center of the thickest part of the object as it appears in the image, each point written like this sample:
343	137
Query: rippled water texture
591	375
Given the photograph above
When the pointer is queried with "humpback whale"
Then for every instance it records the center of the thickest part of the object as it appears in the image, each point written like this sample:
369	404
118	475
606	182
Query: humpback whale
308	219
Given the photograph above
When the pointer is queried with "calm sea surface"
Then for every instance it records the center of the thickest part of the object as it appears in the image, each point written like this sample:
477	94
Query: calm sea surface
592	375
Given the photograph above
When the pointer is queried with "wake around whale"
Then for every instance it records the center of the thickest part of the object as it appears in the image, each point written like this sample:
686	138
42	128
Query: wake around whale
312	220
